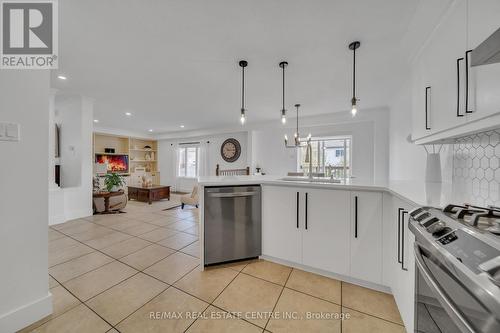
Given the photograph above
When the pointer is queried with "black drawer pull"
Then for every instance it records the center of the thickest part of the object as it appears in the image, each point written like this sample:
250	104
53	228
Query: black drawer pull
399	234
403	241
427	89
467	82
458	87
306	208
356	216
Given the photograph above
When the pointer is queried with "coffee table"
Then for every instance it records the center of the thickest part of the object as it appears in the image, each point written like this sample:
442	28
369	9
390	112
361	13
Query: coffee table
106	196
149	194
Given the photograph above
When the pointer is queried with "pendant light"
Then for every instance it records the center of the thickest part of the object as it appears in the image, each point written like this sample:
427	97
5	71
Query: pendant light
354	108
298	141
243	64
282	65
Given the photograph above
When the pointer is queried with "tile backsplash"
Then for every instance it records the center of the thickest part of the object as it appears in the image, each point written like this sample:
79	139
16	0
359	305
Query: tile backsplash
476	170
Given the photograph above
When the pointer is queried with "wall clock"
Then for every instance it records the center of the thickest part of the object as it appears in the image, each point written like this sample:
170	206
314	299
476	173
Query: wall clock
230	150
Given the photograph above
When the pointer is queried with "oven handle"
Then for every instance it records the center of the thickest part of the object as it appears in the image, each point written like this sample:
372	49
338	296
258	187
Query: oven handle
443	299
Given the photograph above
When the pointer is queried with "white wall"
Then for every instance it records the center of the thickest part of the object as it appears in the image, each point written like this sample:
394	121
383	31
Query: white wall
166	151
24	291
369	142
69	117
75	115
263	145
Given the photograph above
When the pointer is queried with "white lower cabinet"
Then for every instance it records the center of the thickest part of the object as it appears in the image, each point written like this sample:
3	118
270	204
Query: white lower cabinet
281	237
325	241
366	236
399	265
321	233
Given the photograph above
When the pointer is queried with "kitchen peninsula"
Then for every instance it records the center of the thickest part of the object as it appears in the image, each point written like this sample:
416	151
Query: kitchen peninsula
354	231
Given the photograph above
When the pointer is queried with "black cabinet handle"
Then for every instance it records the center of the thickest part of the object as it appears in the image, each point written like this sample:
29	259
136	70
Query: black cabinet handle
306	209
297	210
356	216
399	234
467	82
458	87
403	241
427	127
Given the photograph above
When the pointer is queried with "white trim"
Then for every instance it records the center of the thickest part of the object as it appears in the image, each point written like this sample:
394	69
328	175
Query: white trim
26	315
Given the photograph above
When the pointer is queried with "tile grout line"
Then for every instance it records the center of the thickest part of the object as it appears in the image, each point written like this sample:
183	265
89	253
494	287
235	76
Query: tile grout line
373	316
277	300
216	297
138	271
172	285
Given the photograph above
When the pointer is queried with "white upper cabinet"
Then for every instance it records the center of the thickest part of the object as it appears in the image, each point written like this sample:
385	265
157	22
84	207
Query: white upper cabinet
281	223
457	93
484	81
325	241
438	75
366	236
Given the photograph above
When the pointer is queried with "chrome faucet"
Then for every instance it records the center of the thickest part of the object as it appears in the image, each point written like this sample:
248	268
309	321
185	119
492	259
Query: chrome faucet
309	155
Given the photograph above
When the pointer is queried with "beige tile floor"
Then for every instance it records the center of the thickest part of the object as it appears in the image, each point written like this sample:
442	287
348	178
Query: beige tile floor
139	272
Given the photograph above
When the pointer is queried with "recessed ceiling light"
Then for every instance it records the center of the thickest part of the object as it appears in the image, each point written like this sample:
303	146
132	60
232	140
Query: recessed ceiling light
62	77
182	126
150	130
96	120
128	114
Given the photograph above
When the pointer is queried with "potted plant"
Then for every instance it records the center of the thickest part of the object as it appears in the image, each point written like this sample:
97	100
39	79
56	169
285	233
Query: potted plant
113	182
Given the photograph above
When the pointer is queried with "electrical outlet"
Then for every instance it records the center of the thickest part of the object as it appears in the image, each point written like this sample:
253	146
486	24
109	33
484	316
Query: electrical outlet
9	132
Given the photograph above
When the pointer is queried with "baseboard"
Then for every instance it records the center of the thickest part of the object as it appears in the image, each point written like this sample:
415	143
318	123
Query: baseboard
26	314
57	219
340	277
78	214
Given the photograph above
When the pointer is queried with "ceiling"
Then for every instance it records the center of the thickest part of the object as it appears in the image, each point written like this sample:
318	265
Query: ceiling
173	63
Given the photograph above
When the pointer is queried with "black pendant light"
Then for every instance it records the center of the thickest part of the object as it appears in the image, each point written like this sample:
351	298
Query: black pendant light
243	64
282	65
298	141
354	108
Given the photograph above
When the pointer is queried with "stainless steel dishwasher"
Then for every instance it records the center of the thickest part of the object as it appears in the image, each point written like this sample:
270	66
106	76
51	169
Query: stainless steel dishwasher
232	223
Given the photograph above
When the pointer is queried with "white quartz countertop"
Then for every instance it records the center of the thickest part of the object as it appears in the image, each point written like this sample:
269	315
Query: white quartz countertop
417	193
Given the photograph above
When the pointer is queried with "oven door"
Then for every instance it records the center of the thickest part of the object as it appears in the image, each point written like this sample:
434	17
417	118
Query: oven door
444	301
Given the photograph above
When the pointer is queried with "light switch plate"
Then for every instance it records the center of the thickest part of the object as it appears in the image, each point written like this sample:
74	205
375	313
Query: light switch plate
9	132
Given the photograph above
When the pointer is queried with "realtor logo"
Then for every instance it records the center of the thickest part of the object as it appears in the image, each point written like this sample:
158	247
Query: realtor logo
28	32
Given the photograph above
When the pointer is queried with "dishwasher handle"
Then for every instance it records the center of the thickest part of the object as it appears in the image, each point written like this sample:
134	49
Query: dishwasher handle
232	194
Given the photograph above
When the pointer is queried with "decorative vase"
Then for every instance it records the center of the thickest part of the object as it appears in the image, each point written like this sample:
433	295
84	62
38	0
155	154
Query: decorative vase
433	168
114	188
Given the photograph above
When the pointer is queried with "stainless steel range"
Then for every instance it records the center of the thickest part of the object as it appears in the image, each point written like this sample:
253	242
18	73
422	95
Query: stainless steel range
457	256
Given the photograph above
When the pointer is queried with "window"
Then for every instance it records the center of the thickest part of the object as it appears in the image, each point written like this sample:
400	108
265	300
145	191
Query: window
188	162
331	156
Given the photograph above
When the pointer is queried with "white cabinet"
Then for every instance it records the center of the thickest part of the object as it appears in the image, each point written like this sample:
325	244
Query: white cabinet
337	231
484	81
458	93
281	237
438	100
325	241
398	260
366	236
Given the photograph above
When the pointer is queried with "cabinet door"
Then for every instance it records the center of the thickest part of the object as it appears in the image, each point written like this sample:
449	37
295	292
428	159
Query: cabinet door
484	81
402	287
418	100
325	238
389	240
445	75
281	237
366	236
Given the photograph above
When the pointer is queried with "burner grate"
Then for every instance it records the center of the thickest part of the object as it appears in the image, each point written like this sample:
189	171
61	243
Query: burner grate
475	212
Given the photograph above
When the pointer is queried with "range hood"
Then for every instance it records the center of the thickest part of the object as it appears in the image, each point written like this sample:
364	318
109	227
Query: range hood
488	52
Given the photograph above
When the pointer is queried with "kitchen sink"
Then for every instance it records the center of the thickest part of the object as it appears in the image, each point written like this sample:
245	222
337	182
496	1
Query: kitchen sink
314	180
